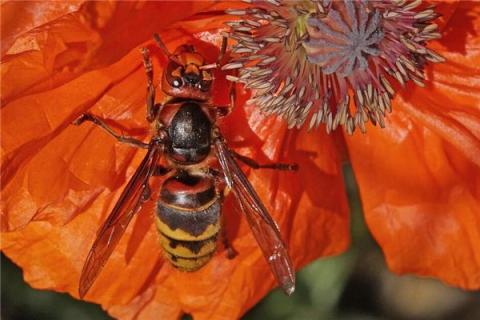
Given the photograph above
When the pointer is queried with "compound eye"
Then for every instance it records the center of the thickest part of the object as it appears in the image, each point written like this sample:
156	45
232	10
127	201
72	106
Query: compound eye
174	74
176	82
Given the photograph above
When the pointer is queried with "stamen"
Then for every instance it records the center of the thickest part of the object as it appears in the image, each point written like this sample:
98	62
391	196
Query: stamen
331	62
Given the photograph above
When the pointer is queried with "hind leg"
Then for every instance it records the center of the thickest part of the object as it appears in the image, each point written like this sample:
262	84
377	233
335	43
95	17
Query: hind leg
230	250
274	165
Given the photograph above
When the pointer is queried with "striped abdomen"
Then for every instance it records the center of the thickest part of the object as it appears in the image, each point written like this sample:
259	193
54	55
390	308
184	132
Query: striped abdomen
188	220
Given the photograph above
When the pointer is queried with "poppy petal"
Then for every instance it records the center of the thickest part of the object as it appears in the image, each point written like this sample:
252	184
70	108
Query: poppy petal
419	176
21	17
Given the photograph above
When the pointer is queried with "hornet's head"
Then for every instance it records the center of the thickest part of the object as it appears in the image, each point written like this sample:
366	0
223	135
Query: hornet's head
184	76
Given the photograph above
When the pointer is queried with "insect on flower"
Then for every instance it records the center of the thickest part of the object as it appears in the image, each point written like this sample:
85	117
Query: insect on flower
189	206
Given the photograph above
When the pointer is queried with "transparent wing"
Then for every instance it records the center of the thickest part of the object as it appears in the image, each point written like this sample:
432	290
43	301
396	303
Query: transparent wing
112	230
263	227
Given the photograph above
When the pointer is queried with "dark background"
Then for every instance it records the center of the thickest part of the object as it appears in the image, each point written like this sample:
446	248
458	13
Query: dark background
353	286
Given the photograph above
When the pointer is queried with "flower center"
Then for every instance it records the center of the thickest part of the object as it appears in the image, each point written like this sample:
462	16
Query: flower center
339	41
331	62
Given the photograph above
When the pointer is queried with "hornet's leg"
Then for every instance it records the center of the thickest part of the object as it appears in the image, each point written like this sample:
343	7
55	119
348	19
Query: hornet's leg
152	108
121	138
222	50
158	171
219	181
232	94
255	165
222	111
231	252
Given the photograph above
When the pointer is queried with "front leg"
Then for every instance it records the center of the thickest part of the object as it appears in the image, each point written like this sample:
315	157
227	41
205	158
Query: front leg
101	123
223	111
152	108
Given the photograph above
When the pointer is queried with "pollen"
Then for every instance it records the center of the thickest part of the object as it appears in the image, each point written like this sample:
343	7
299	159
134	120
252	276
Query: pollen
331	62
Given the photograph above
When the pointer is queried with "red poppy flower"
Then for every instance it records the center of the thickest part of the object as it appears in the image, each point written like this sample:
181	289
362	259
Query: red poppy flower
419	177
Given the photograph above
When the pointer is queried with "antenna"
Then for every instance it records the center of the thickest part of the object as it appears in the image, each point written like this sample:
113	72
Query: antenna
162	46
220	57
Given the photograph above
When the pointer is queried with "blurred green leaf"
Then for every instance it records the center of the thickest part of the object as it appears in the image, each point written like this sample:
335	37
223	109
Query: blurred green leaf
20	301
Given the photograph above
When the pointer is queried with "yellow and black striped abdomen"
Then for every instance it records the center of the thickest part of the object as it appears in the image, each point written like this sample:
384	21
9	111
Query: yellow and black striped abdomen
188	220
